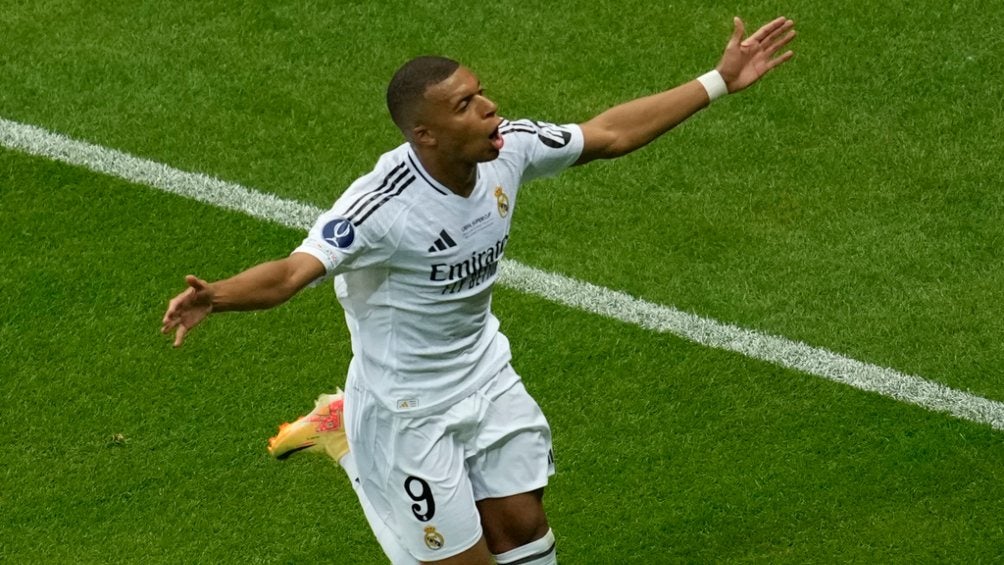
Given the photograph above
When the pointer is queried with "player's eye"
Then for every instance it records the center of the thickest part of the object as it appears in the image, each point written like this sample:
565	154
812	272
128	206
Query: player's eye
466	102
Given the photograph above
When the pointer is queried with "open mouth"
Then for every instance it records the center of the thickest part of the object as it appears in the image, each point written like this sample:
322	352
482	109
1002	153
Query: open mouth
497	140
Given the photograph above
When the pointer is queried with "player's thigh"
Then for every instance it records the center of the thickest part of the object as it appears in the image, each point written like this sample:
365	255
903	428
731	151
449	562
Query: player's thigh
413	471
513	521
514	452
512	468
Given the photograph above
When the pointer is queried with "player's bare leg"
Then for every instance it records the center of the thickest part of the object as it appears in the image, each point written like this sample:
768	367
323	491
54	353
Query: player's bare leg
516	529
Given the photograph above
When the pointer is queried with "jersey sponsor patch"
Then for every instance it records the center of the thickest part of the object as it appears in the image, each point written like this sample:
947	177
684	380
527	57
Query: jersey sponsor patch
553	136
339	233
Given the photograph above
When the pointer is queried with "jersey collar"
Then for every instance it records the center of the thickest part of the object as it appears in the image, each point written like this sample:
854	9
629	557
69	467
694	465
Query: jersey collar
416	165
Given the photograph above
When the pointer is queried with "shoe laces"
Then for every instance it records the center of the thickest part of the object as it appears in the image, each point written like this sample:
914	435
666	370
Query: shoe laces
332	420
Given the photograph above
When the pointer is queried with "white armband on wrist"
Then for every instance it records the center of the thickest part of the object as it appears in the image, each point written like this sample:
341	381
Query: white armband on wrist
713	82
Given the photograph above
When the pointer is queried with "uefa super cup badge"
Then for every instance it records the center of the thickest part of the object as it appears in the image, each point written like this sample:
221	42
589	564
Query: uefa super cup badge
503	201
433	539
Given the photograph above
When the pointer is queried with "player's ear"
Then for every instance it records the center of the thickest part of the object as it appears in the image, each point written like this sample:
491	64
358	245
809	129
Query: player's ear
422	136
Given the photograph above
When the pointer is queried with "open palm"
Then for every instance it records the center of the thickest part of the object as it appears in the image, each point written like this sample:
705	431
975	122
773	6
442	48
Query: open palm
746	60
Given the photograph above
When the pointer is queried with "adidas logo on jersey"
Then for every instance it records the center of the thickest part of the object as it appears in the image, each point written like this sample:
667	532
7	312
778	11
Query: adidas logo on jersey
444	242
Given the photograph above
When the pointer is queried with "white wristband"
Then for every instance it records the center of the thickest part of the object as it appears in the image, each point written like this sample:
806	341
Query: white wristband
713	82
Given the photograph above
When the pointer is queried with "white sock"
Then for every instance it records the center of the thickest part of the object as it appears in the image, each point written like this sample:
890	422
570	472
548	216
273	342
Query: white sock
387	539
540	552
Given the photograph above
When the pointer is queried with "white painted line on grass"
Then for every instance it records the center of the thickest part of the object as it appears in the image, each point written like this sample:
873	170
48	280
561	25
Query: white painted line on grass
37	141
554	287
757	345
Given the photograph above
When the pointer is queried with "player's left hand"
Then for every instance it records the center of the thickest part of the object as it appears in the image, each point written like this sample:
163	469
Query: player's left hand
745	61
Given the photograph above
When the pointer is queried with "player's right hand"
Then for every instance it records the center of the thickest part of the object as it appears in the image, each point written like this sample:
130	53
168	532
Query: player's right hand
186	310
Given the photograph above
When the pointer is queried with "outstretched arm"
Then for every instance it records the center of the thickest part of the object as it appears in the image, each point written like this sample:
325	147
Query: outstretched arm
632	125
262	286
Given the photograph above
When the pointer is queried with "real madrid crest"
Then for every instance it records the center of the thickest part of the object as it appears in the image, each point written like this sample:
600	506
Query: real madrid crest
433	539
503	201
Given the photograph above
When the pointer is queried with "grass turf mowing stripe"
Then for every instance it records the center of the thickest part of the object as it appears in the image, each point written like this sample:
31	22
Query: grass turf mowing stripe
554	287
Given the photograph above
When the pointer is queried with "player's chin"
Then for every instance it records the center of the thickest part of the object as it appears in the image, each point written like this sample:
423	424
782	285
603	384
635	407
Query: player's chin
482	152
490	155
494	149
485	154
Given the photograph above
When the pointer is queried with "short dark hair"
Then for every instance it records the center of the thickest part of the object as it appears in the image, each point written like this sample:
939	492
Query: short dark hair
409	83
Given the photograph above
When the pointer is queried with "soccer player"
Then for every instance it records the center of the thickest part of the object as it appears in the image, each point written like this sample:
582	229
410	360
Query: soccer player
451	453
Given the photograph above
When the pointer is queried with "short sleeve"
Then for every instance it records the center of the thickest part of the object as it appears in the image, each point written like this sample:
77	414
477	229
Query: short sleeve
341	246
546	149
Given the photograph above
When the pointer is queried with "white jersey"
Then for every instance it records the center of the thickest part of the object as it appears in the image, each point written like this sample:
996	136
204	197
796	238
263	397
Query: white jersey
414	266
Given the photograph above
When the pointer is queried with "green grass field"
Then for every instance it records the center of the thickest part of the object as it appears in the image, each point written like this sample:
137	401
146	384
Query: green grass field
851	200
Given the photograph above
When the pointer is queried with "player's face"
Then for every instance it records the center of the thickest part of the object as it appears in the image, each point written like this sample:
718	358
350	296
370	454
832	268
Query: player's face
459	121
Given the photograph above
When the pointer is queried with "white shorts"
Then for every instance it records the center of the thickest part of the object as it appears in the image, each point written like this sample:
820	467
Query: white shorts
423	474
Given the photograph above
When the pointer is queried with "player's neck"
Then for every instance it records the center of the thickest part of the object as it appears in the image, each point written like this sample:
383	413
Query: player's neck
458	176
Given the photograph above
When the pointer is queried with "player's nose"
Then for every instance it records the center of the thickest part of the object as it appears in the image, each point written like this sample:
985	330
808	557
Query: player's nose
490	108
